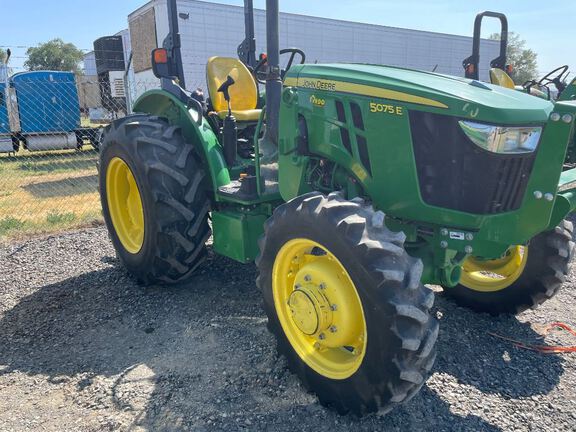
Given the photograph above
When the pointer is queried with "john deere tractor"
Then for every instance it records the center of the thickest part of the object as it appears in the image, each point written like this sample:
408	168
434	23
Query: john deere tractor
351	188
552	86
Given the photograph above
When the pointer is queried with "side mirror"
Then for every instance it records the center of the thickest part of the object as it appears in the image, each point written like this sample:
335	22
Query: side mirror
162	65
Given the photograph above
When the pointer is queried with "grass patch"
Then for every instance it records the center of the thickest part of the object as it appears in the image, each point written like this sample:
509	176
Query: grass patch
56	218
8	224
12	228
42	164
45	192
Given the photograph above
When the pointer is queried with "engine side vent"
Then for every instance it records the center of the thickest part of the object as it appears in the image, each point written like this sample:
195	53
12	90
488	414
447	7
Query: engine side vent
363	151
344	134
357	116
340	111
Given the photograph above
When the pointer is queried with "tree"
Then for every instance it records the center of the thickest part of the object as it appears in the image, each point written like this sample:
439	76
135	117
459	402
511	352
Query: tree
522	59
2	55
54	55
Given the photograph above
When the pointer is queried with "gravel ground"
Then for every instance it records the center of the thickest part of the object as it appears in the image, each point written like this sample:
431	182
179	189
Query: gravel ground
83	348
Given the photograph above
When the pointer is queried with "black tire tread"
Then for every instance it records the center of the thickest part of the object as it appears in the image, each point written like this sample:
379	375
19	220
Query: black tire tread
549	255
176	181
395	280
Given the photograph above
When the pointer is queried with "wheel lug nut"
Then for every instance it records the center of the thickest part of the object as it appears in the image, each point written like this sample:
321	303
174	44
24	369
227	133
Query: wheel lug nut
333	307
316	345
321	336
307	278
333	329
322	286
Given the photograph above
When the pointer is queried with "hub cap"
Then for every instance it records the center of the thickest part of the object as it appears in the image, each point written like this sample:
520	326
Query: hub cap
494	275
319	308
125	205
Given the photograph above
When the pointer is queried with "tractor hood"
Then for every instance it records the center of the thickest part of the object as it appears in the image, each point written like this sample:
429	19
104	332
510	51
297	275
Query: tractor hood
441	93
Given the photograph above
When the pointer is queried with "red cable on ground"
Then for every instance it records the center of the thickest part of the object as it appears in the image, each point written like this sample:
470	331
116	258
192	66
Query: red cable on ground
548	349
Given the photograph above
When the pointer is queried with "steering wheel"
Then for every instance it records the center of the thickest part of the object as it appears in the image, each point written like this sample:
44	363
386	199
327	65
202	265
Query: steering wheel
264	61
559	78
294	51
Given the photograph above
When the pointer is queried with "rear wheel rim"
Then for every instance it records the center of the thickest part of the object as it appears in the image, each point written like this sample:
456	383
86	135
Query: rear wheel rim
494	275
319	308
125	205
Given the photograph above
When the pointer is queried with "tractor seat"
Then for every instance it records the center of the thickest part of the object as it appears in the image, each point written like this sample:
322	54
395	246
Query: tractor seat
243	94
501	78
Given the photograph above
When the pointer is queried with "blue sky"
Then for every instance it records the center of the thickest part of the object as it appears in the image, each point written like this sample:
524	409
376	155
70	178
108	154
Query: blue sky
547	27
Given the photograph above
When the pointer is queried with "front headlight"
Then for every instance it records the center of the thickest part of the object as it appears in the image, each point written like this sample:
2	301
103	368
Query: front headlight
502	139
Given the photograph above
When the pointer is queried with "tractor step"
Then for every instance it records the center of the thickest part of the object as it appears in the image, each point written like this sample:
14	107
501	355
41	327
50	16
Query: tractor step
245	191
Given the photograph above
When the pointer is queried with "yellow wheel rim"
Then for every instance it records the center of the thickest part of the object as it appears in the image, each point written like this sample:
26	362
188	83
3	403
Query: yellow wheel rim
125	205
319	308
494	275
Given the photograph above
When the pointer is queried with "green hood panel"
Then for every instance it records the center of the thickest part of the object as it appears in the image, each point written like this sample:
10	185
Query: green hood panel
455	96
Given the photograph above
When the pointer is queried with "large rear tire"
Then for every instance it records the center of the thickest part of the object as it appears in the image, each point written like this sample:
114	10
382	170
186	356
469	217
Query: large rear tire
154	199
345	303
524	278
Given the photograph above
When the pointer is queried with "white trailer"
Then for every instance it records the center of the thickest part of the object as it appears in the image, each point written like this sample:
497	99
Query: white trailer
212	29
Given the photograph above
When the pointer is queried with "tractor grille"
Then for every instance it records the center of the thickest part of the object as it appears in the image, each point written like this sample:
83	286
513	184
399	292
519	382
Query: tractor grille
456	174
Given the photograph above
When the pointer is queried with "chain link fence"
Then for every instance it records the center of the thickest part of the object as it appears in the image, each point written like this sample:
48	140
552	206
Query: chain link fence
50	131
50	127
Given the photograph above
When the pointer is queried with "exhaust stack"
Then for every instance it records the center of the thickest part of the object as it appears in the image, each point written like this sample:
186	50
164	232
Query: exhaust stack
273	80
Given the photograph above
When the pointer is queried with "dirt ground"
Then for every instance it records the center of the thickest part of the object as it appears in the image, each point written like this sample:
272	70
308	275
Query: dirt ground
83	348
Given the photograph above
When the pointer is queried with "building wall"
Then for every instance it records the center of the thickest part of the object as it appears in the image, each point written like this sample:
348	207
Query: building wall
90	64
88	92
126	44
216	30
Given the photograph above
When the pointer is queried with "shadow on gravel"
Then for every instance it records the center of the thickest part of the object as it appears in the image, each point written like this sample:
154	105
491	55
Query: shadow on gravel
477	359
200	356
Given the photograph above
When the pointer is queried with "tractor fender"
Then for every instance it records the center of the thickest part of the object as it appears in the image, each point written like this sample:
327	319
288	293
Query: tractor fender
563	205
196	130
565	202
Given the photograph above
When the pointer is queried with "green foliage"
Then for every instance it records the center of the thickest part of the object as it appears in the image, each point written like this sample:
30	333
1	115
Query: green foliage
523	60
9	223
54	55
57	218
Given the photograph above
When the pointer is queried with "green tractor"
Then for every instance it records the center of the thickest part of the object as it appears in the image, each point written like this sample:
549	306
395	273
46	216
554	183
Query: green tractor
564	91
554	86
353	187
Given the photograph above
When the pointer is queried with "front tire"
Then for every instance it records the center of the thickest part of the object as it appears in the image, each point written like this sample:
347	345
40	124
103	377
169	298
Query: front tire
154	199
524	278
345	303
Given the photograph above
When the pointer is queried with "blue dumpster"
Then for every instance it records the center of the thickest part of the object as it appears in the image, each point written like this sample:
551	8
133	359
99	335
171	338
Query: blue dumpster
47	101
5	135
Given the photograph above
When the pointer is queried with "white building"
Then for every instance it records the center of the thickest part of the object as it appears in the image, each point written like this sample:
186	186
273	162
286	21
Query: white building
90	64
323	40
